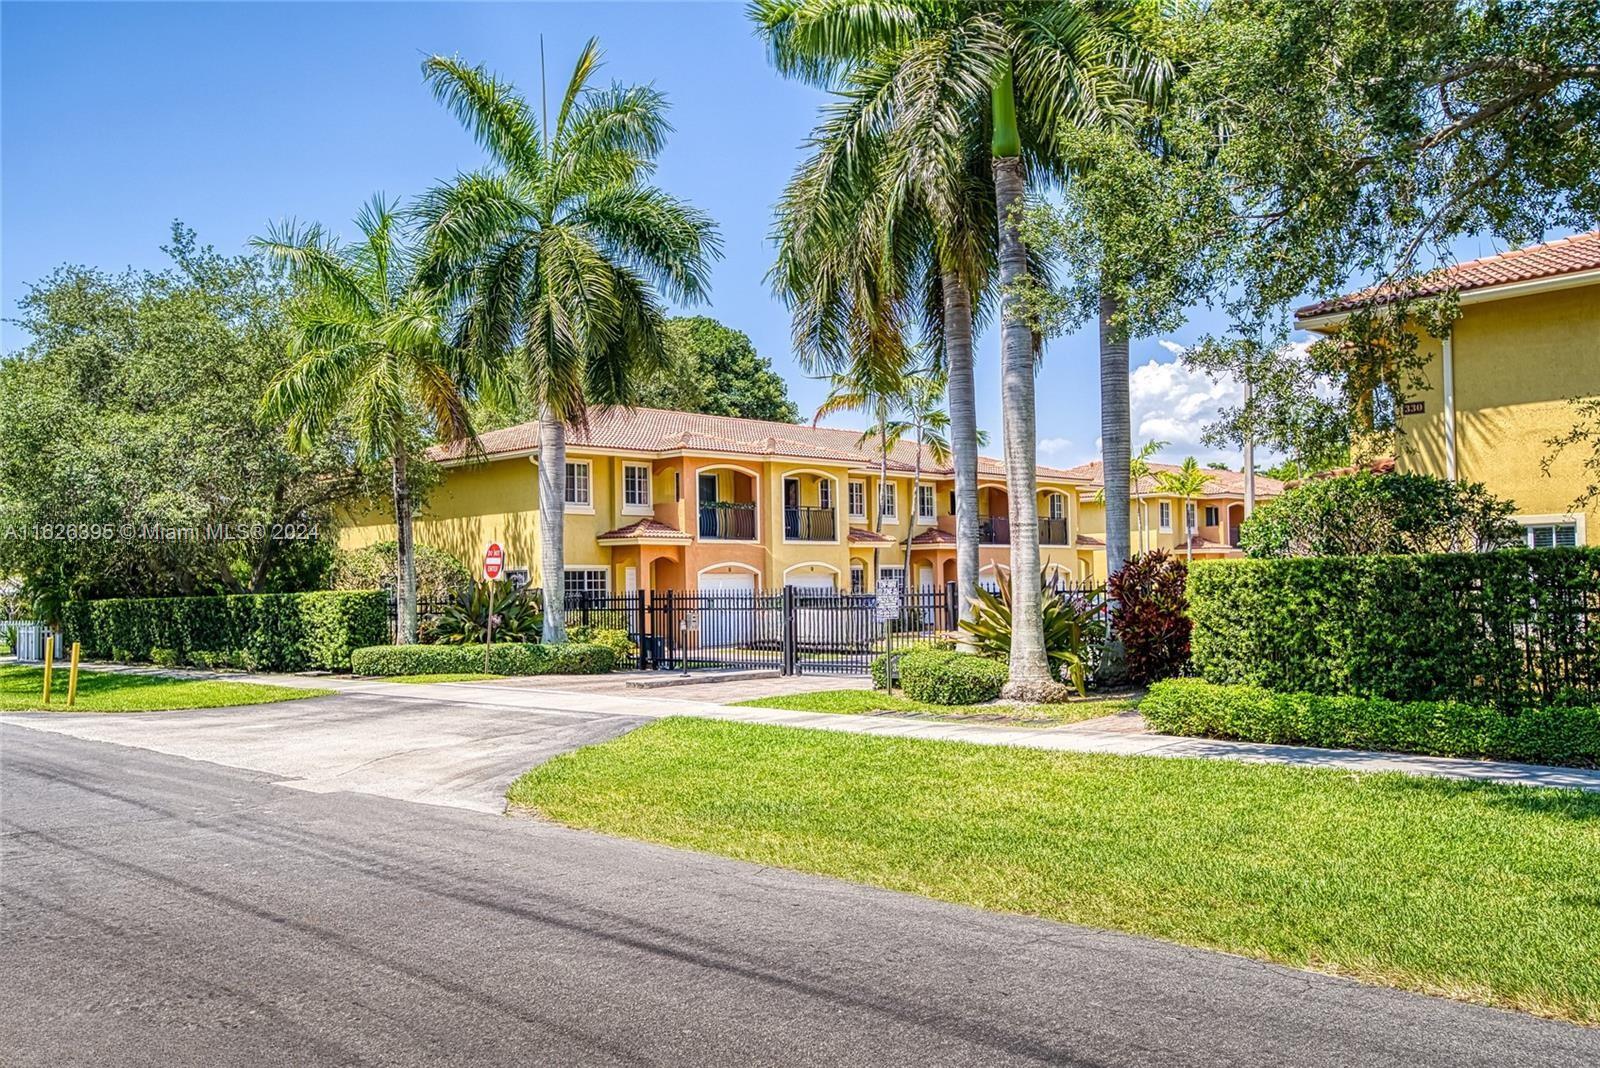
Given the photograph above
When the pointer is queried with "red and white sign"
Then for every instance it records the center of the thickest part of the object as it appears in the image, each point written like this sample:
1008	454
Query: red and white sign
494	560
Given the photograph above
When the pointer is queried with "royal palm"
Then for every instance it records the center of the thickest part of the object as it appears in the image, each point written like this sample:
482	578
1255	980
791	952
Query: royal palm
370	354
950	71
559	255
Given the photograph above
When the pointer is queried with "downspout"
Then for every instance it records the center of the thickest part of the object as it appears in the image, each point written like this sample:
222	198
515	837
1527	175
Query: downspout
1449	406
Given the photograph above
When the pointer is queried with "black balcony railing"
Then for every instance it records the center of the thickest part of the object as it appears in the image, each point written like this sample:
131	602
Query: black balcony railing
728	521
994	530
809	524
1053	532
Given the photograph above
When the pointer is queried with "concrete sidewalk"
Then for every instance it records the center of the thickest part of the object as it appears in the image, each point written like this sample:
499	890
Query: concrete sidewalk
591	696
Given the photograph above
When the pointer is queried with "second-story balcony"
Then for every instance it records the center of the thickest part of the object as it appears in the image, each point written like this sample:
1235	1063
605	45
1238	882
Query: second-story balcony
728	520
996	530
809	524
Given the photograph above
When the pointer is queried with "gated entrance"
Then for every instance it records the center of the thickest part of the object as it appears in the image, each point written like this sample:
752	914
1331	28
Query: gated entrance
795	630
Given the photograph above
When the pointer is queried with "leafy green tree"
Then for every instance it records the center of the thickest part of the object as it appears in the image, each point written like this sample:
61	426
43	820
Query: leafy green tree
876	388
1016	70
1371	514
132	462
715	369
369	351
560	253
1357	141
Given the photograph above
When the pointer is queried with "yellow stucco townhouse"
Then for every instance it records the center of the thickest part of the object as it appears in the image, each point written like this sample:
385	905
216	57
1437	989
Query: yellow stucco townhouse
1159	520
1500	383
661	500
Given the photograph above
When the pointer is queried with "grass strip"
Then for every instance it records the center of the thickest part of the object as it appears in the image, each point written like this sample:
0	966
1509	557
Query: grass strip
1468	890
109	691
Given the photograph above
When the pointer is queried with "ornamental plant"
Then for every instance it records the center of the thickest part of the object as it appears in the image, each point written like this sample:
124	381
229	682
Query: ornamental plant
1150	613
466	618
1073	628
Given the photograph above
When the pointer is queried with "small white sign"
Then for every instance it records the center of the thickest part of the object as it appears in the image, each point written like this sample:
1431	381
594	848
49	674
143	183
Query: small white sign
888	601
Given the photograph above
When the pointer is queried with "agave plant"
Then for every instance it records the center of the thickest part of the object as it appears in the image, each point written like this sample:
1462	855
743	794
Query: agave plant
464	621
1073	627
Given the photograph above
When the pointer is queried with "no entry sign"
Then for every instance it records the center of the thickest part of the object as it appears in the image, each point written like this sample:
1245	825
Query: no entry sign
494	560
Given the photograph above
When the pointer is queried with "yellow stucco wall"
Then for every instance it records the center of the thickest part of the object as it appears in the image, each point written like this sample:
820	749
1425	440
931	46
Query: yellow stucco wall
1517	362
498	501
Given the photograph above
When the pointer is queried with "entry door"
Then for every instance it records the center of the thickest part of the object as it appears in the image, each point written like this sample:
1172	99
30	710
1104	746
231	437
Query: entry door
708	496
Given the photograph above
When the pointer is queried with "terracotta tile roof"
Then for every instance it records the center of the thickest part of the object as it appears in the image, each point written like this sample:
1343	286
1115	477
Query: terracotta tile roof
862	536
645	530
657	431
1580	252
1222	484
1089	541
1383	465
934	536
1202	544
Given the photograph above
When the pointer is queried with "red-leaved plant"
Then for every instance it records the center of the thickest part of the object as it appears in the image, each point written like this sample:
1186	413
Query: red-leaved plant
1151	615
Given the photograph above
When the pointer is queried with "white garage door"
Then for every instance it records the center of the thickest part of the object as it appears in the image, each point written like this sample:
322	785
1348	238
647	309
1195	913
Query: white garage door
810	582
726	615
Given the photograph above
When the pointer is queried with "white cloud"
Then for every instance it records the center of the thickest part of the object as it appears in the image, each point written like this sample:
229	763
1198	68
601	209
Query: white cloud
1174	403
1054	448
1172	347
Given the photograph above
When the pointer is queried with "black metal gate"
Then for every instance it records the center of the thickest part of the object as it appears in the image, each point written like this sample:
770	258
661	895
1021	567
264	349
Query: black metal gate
792	630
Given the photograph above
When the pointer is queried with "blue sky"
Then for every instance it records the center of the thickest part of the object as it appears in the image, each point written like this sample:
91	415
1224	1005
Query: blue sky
116	119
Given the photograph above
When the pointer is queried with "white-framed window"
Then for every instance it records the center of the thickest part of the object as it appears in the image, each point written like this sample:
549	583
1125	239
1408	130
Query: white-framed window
581	580
1213	516
636	486
886	498
857	493
1551	535
1164	518
896	575
858	578
1188	516
824	493
578	483
925	505
518	577
1058	506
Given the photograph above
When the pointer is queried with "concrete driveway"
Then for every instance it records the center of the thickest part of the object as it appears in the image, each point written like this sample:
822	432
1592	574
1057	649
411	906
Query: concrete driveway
461	753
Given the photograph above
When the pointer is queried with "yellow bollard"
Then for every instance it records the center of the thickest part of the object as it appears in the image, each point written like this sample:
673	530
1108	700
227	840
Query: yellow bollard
72	676
49	662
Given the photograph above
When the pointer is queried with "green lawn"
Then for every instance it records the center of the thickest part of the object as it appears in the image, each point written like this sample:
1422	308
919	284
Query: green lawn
442	677
100	691
1480	892
856	702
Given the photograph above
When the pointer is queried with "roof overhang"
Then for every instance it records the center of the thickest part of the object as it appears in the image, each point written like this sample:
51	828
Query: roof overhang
1481	295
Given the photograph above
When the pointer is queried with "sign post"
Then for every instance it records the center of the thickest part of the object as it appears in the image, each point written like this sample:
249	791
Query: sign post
886	608
494	561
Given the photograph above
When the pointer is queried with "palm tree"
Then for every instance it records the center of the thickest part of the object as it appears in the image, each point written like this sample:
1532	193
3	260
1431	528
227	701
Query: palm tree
948	70
1139	473
925	418
369	349
873	386
1116	435
559	255
1187	482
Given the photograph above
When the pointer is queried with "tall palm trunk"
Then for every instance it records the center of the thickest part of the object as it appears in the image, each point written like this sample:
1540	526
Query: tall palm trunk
963	435
552	523
406	577
1116	444
1029	668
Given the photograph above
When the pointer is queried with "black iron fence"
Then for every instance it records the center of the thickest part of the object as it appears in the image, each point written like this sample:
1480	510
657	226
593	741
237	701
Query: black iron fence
793	630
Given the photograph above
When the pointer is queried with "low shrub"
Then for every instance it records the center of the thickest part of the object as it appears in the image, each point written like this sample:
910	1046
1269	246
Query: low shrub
162	656
572	658
616	640
276	631
943	676
1567	735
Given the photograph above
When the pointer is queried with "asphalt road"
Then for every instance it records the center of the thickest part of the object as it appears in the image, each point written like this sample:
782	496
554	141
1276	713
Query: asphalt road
165	911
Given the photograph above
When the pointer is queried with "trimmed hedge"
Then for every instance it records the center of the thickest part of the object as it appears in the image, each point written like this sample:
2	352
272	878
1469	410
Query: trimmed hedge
1565	735
275	631
944	677
617	641
1509	628
507	658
